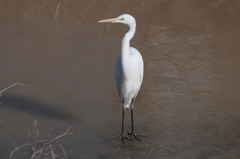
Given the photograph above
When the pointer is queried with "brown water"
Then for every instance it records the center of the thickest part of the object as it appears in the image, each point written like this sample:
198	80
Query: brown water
188	105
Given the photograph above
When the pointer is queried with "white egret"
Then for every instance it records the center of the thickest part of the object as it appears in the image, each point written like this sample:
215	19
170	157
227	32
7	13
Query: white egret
128	70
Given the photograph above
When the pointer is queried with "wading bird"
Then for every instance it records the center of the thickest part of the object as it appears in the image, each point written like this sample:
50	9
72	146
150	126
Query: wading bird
128	70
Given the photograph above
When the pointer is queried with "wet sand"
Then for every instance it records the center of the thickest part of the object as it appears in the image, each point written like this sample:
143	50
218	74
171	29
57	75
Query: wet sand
188	106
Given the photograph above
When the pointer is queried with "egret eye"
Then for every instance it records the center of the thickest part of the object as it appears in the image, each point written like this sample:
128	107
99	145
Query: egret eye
122	19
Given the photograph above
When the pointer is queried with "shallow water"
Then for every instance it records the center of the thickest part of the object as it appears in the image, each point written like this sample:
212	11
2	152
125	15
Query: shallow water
188	105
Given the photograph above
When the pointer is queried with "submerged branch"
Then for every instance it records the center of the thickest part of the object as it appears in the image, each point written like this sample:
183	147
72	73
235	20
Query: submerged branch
47	148
12	86
19	148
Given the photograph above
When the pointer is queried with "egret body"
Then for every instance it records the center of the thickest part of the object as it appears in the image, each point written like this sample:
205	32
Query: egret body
128	70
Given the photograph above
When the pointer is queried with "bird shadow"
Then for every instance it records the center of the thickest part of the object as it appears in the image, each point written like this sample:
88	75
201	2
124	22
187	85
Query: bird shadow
19	103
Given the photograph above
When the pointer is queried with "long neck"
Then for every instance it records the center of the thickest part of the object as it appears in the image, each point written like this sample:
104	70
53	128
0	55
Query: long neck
127	37
126	48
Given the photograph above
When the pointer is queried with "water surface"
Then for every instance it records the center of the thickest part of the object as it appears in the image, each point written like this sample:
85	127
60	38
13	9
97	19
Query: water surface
188	105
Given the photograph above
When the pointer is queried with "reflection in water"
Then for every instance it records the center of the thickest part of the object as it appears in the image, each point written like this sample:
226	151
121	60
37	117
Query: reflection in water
188	105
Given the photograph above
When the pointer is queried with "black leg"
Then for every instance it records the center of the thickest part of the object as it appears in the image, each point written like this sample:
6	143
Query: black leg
132	132
132	120
121	136
122	126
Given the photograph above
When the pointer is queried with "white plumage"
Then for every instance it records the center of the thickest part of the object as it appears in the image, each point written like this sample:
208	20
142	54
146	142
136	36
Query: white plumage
128	69
129	78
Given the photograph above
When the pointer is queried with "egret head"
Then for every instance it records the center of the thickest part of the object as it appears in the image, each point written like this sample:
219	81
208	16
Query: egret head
125	19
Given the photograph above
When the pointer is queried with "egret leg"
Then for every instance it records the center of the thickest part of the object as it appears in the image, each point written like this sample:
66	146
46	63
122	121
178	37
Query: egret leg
132	132
121	136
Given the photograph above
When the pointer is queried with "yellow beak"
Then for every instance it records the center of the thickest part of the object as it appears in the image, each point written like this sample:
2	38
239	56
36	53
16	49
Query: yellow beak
109	20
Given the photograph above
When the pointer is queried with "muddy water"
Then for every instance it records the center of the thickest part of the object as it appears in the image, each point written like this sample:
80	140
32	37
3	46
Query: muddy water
189	103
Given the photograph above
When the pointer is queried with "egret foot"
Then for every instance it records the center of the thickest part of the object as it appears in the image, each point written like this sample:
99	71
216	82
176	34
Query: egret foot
122	138
135	136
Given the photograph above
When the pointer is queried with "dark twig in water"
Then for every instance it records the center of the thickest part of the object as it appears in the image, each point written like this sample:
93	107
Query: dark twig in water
12	86
19	148
43	146
66	133
49	132
35	123
63	152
